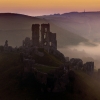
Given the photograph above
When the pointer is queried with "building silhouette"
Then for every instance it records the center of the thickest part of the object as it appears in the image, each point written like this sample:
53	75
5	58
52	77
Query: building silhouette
42	37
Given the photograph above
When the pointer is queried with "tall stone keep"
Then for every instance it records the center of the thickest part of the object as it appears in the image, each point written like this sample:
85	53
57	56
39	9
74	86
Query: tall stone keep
52	40
35	34
42	37
45	31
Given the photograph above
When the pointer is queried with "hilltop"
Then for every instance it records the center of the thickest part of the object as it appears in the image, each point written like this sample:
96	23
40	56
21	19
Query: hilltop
15	27
11	85
85	24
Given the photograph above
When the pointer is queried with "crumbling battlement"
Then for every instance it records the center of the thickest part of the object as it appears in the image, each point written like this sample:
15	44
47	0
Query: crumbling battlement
35	34
42	37
89	66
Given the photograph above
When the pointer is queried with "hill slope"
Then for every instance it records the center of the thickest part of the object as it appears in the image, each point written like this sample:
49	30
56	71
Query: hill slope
84	87
15	27
85	24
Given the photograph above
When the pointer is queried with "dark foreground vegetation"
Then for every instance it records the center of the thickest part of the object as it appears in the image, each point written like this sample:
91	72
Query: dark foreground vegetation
13	86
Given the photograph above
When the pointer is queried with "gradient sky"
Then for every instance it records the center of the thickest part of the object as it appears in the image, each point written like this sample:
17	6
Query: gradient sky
41	7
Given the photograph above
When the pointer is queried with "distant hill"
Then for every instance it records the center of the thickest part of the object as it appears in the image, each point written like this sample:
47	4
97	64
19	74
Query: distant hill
85	24
15	27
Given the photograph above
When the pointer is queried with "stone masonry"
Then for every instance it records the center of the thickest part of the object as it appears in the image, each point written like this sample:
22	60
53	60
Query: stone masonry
42	37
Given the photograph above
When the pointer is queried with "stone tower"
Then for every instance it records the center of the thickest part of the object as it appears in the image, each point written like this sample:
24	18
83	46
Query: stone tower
42	37
6	43
45	31
35	34
52	40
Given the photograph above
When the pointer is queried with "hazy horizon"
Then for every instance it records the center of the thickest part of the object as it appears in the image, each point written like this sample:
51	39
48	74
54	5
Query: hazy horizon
50	13
45	7
73	23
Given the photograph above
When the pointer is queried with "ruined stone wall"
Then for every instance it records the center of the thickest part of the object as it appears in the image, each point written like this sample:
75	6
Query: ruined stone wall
35	34
27	42
44	38
52	40
45	30
89	66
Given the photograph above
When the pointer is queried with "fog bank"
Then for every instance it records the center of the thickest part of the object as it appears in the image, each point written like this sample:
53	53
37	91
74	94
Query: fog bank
86	53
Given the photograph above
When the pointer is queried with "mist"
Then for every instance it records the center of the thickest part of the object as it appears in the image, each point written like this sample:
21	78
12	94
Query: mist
84	52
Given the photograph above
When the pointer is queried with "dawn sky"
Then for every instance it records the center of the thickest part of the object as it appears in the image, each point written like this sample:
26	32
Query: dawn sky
41	7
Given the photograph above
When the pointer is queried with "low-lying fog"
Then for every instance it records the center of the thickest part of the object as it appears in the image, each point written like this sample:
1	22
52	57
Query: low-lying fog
86	53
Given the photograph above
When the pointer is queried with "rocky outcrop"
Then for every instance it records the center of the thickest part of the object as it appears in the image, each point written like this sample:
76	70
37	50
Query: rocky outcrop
61	83
55	81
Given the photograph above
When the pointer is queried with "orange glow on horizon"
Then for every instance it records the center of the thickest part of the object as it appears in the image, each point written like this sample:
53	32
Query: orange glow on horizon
48	6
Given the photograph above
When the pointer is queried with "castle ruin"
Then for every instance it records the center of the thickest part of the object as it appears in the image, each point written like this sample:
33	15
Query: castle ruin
42	37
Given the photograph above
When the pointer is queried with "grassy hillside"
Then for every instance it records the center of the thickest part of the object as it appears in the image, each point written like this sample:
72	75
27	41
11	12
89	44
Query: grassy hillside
11	70
15	27
47	59
84	87
85	24
88	86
